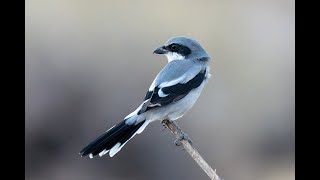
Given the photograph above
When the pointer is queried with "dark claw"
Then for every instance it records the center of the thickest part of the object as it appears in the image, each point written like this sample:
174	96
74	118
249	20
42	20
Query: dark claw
177	142
165	127
183	136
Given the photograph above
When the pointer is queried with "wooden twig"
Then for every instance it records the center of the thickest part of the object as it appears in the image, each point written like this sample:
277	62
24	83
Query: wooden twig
176	130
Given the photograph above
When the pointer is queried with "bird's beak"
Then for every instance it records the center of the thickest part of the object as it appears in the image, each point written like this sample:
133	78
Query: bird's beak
160	50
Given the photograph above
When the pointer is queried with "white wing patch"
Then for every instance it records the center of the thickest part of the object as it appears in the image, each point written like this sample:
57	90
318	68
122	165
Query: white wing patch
161	93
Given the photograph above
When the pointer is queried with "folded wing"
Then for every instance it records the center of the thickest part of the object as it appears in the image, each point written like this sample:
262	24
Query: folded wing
170	92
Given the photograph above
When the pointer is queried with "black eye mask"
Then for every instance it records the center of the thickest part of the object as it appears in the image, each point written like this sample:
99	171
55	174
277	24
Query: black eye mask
178	48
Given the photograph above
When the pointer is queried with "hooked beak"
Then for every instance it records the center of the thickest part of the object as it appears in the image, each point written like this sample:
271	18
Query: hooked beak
160	50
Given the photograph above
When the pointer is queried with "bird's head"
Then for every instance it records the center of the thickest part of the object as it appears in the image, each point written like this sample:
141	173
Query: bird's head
180	48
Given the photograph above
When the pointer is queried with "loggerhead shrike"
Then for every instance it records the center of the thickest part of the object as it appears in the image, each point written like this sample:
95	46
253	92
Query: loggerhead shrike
172	93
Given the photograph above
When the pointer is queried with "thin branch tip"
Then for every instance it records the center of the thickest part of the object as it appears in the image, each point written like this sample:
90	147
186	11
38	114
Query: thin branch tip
176	130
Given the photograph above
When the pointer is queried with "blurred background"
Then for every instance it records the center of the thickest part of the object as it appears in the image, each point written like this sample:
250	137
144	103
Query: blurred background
89	64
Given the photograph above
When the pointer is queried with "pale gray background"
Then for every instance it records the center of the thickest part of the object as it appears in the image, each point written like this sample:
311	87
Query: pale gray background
89	64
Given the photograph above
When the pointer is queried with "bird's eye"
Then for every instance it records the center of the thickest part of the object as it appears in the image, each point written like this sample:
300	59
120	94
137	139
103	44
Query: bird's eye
173	47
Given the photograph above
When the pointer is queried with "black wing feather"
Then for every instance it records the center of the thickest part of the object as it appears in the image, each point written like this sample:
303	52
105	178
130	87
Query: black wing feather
174	92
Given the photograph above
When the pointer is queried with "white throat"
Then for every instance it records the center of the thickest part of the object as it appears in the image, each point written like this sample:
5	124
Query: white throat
174	56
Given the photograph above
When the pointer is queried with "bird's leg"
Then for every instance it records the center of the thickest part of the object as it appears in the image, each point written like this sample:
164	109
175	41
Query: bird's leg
165	127
173	126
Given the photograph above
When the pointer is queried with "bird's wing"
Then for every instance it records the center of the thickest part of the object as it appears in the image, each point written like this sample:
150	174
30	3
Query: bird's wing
165	90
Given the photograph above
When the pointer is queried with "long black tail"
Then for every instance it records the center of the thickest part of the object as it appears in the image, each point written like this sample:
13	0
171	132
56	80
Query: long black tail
112	140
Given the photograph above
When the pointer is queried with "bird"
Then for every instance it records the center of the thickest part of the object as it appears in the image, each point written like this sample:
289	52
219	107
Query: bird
173	92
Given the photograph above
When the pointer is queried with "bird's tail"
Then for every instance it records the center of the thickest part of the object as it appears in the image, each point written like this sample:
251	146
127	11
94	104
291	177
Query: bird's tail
114	139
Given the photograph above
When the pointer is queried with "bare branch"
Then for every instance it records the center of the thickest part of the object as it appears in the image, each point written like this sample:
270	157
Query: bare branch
176	130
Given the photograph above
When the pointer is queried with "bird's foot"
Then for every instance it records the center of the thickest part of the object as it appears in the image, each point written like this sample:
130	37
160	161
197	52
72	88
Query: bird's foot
182	136
164	127
174	128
